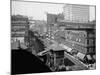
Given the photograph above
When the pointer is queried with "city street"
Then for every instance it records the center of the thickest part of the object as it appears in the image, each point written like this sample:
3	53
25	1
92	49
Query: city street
52	37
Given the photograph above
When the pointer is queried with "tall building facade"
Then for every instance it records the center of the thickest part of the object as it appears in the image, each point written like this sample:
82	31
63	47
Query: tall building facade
52	20
76	13
19	27
78	36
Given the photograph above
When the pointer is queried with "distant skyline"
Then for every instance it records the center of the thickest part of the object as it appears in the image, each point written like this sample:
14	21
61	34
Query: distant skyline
38	10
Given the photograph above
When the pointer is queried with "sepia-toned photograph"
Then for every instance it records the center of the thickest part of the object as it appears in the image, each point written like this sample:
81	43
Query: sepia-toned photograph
52	37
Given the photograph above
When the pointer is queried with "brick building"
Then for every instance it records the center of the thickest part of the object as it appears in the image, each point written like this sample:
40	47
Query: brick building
52	20
19	27
78	36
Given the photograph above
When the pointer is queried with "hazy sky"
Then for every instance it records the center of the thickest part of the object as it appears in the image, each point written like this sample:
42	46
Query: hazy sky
38	10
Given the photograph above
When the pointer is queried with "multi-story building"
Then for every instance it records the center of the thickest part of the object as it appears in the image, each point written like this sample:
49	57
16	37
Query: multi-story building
76	13
19	27
35	44
75	32
78	36
52	20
